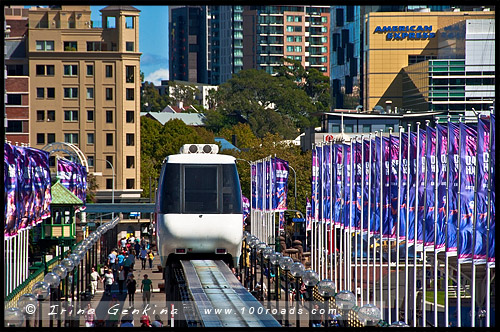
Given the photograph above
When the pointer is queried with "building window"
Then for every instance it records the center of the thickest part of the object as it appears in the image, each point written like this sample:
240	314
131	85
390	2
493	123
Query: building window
129	73
51	93
289	48
51	116
71	93
14	126
130	116
40	115
94	46
109	183
70	70
45	70
71	138
71	116
109	160
90	138
15	70
90	115
129	22
90	161
109	71
129	46
109	116
90	70
289	28
109	93
298	49
40	138
40	93
70	46
130	183
109	139
130	162
51	138
45	45
17	99
111	22
129	138
90	93
129	94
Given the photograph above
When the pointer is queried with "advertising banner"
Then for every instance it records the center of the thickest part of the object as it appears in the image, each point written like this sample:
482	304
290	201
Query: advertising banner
483	153
453	164
430	181
280	171
338	168
422	151
326	183
491	232
11	190
347	185
375	189
441	159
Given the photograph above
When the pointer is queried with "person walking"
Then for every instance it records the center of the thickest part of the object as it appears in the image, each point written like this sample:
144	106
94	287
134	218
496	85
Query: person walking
146	290
137	248
94	278
127	263
131	288
121	278
144	255
108	281
89	315
151	256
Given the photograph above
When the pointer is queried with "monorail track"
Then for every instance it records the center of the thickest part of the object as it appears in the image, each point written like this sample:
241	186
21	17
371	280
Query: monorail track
213	297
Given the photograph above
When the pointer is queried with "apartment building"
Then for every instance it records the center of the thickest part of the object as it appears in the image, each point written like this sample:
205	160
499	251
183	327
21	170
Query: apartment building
85	89
271	33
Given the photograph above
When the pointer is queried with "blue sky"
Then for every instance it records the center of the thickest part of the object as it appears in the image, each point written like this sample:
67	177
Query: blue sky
153	40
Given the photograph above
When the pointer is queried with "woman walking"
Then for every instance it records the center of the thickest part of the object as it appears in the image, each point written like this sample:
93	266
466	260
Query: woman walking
121	278
108	281
131	288
144	256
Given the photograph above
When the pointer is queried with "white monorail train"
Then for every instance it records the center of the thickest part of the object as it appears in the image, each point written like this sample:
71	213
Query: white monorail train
198	206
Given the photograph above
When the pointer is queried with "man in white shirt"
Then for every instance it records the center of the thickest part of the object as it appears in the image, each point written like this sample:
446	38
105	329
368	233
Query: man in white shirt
94	278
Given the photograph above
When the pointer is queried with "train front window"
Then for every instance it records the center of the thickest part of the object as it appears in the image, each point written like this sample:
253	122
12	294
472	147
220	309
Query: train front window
200	189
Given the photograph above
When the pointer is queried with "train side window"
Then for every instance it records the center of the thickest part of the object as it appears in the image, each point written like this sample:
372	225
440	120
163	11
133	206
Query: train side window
231	191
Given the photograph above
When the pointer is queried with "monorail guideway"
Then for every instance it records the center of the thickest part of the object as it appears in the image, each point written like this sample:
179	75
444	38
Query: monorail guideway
212	297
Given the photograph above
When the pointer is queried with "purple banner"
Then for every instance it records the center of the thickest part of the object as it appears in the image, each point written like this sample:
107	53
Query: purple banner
245	204
375	189
326	183
73	176
282	220
441	159
319	195
468	137
314	185
421	186
41	184
347	185
394	184
267	184
260	183
453	181
11	185
491	232
357	185
254	186
280	171
308	214
26	196
483	143
386	189
430	180
403	171
338	176
412	192
366	183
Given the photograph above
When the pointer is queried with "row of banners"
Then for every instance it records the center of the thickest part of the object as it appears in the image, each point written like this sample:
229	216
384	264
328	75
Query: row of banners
27	184
438	183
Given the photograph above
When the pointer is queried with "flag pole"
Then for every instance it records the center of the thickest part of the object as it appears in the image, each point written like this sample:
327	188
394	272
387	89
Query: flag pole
351	214
436	204
407	224
415	225
368	217
381	220
424	259
446	263
459	292
389	249
332	225
355	203
488	271
398	225
362	186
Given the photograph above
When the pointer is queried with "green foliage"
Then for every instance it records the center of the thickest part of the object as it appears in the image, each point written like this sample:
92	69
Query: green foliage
183	93
151	101
245	138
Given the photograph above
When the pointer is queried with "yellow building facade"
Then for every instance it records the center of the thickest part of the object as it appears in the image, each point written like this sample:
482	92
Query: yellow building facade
85	88
394	40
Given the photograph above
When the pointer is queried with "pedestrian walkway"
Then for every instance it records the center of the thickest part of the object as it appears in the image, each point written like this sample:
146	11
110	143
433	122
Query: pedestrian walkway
112	308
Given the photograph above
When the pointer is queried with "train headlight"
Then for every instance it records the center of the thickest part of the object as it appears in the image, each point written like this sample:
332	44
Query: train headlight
193	148
199	148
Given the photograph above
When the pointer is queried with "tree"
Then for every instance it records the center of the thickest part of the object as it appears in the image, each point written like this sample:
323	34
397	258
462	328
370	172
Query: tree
183	93
151	101
245	138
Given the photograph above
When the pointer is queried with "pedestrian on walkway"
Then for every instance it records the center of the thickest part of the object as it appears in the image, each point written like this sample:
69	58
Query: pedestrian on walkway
108	281
131	288
127	262
94	278
121	279
137	248
146	290
89	315
144	255
151	256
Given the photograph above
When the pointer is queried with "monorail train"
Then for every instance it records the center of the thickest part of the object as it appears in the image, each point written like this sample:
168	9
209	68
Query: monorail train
198	206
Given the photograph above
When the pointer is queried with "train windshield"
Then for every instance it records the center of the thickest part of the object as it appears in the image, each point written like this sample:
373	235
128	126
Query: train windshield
207	189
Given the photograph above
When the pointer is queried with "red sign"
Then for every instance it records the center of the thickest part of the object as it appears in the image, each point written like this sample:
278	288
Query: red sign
329	138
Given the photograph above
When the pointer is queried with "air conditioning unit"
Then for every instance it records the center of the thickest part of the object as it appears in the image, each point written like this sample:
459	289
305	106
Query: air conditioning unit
199	148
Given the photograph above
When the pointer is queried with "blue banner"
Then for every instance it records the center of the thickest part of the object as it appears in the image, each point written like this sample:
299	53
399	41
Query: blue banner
314	185
453	181
11	186
430	181
375	189
319	202
481	234
326	183
280	176
347	185
245	204
412	192
338	176
491	232
260	184
468	137
357	164
308	214
254	186
403	171
366	183
422	151
386	189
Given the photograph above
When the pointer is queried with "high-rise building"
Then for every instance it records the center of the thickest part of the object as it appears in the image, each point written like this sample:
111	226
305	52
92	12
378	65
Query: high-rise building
206	43
271	33
17	88
84	80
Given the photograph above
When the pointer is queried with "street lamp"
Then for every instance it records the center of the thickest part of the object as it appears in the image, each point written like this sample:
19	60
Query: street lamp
297	270
275	260
253	264
261	246
70	266
285	264
267	255
345	300
369	315
41	290
13	317
53	280
311	279
399	324
27	304
326	288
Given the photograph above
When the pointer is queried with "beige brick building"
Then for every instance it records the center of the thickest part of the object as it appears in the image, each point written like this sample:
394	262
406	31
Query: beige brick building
85	89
